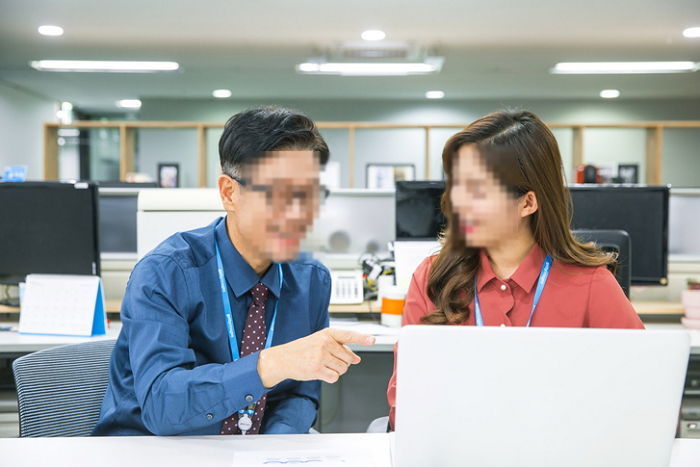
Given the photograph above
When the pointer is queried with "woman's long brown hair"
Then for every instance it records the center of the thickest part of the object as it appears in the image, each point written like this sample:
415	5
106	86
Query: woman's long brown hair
522	153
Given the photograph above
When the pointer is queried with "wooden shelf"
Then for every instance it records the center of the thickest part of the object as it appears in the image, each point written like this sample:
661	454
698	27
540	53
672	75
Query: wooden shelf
113	306
658	308
366	307
127	129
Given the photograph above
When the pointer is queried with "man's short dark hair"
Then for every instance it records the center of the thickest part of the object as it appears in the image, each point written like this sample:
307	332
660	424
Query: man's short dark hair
248	135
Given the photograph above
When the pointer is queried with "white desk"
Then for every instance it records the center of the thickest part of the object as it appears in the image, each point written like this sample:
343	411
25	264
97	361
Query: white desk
387	337
11	342
694	335
214	451
210	451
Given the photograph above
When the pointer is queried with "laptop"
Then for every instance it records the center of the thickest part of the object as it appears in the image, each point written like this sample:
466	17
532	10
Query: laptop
545	397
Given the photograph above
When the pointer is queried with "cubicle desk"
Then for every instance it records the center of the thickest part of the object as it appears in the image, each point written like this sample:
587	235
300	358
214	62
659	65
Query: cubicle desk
13	343
644	309
666	311
375	450
114	306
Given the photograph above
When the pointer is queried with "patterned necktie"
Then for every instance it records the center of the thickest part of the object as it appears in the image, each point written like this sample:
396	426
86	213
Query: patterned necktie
253	340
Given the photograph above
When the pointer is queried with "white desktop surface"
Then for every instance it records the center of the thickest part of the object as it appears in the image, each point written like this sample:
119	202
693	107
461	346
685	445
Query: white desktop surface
215	451
210	451
13	342
694	335
387	337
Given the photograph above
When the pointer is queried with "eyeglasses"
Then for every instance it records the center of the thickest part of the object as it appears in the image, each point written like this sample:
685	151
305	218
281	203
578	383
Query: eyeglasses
283	195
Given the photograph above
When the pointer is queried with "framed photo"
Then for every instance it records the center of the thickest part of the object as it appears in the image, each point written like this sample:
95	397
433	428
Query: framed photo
384	176
606	172
169	175
628	173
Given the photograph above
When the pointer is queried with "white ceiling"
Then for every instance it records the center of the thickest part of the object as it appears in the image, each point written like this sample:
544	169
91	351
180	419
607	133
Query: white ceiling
494	49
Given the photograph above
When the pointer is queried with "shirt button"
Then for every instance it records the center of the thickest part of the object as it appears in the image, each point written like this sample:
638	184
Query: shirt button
249	398
209	416
504	287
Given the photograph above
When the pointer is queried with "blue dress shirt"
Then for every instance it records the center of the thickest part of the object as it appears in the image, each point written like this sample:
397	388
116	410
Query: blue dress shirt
171	371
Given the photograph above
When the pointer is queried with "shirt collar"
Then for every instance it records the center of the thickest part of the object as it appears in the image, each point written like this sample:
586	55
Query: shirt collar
241	277
525	276
485	273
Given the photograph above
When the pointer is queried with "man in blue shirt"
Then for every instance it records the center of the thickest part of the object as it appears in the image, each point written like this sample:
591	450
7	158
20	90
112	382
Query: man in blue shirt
223	331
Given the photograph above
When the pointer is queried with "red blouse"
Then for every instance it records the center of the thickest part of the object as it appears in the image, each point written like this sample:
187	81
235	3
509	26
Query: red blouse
574	297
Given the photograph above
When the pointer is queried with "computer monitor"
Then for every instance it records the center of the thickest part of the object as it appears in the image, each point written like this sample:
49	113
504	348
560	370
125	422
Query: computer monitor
118	205
641	211
353	222
49	228
418	215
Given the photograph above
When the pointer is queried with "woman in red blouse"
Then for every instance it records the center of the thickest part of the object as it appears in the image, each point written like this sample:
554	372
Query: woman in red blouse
508	244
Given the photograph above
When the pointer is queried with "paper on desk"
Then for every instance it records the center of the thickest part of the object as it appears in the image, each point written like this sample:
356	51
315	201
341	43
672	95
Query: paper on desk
373	329
296	458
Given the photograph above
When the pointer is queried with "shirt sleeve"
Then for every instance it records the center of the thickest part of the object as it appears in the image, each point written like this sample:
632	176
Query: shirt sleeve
174	395
295	410
608	307
417	305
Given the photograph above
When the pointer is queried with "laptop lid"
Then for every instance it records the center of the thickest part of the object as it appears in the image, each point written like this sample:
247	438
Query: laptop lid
496	396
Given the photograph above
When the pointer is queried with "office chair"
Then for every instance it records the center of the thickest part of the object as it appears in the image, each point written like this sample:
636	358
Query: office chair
617	241
60	390
379	425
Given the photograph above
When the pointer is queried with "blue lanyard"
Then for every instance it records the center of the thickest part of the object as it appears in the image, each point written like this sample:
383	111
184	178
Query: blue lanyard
233	343
544	274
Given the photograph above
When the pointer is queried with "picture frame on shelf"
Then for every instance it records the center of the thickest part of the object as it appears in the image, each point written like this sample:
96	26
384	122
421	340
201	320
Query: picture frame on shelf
384	176
169	175
628	173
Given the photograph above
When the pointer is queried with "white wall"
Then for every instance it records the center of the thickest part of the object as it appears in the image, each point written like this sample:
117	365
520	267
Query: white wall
681	164
21	121
169	146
